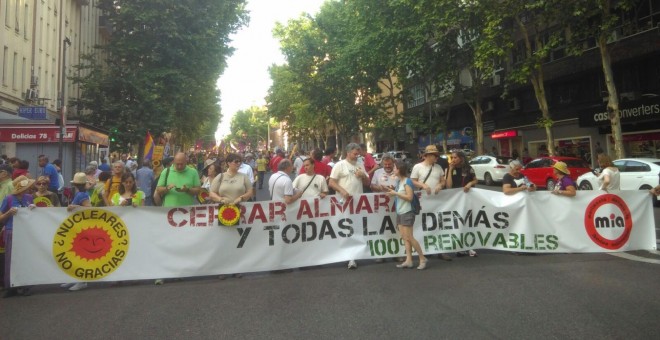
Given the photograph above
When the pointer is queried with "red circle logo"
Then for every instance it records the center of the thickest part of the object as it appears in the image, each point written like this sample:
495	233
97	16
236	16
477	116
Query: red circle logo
608	221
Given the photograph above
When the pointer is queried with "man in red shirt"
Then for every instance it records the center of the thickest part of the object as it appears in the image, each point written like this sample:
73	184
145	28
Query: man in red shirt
369	162
329	155
319	167
275	161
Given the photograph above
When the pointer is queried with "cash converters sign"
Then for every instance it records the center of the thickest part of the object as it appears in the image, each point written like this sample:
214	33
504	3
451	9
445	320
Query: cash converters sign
90	244
608	221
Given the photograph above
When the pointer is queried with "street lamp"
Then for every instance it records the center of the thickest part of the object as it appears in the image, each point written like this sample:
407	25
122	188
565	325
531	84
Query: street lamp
66	43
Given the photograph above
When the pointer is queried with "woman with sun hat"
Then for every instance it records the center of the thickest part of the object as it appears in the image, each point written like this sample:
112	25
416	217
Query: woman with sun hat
565	185
11	204
81	199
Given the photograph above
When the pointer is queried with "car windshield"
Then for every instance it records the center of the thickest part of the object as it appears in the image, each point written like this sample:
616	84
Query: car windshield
656	163
503	160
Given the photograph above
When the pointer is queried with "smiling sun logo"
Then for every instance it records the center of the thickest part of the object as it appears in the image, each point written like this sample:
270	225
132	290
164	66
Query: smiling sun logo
90	244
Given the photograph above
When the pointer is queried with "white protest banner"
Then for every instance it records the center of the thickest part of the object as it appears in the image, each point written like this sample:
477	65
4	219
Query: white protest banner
52	245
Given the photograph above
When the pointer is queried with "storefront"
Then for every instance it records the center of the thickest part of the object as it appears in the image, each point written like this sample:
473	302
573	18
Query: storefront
509	142
81	144
640	126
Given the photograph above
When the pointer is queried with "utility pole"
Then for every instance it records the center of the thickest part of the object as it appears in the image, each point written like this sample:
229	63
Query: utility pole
65	43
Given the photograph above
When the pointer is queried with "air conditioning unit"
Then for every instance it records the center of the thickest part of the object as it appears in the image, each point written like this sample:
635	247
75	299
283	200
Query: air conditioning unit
34	81
514	104
31	94
490	106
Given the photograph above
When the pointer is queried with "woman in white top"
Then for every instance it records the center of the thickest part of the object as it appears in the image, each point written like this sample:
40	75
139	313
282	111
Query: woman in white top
609	177
210	171
405	217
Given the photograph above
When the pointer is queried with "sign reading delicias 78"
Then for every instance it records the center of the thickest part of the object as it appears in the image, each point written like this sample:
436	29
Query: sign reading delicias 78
32	134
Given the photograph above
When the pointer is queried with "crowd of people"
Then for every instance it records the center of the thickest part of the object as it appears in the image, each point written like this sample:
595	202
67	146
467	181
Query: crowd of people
183	180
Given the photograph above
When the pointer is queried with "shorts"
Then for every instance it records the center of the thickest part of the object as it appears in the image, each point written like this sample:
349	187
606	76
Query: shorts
407	219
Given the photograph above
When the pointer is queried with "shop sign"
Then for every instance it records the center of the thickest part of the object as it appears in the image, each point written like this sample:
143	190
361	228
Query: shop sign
629	112
93	137
33	112
35	134
504	134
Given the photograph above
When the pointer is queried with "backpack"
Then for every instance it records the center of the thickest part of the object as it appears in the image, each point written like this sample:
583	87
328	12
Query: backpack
416	205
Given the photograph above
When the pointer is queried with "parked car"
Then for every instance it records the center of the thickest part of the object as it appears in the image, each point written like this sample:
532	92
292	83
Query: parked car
490	169
540	172
377	157
635	174
402	156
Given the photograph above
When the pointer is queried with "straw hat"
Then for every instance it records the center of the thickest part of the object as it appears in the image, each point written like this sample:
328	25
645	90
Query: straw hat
561	167
208	162
21	183
79	178
431	149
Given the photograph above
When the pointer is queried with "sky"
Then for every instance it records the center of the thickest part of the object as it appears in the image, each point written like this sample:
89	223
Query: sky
245	81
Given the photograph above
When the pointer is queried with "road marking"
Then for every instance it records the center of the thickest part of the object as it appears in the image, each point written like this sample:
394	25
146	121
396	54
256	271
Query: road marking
635	258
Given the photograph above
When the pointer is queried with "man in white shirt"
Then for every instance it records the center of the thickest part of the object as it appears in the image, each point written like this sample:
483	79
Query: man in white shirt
348	178
298	161
427	175
384	178
246	169
280	185
310	184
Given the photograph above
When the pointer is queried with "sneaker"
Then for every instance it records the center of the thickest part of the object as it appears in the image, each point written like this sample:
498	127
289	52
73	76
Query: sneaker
352	264
78	286
66	285
159	282
472	253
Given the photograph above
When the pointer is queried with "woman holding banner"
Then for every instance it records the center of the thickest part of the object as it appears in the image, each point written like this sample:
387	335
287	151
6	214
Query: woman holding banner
81	199
43	197
405	217
565	185
10	206
231	187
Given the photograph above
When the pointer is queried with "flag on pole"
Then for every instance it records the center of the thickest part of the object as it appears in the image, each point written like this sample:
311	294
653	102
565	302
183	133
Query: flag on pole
148	146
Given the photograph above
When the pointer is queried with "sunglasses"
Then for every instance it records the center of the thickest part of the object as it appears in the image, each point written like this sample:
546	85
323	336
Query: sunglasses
42	183
236	161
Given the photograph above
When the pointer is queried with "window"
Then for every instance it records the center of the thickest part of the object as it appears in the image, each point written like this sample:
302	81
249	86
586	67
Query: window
417	96
5	57
634	166
26	19
14	71
7	13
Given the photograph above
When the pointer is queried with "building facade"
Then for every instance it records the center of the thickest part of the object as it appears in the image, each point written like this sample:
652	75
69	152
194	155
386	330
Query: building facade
577	99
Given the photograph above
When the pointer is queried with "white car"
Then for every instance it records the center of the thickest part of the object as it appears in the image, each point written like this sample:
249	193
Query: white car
635	174
377	157
402	156
490	169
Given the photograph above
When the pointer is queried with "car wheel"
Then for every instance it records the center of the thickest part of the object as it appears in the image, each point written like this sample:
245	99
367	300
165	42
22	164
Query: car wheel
488	179
654	197
550	184
585	185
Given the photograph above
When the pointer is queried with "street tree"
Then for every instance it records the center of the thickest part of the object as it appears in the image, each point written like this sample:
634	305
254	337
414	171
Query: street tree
598	20
159	68
531	30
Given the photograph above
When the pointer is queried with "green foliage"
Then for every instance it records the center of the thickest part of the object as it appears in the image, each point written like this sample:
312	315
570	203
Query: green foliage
160	67
250	127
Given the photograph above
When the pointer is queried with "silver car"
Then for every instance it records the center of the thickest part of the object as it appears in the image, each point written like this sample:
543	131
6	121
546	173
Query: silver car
635	174
490	169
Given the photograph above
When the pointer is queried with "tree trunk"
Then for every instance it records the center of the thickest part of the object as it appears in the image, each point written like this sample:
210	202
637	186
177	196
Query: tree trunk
613	97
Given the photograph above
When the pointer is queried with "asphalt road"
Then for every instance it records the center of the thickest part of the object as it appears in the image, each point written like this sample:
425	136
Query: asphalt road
494	296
